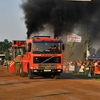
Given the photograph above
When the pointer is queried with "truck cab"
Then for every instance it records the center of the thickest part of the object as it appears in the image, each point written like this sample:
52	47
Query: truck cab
44	57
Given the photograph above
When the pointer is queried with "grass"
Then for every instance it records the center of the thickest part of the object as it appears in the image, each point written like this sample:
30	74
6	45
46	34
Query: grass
82	76
96	79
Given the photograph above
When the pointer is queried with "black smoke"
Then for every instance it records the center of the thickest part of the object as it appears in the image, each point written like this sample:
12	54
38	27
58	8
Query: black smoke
61	15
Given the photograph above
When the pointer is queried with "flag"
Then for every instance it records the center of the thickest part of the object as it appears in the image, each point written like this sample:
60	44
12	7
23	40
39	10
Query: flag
88	53
73	38
12	67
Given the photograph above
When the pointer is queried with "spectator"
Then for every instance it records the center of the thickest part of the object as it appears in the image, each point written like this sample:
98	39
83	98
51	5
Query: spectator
34	47
18	52
97	63
88	63
93	67
90	66
84	63
21	52
70	62
65	65
76	66
81	67
2	62
5	62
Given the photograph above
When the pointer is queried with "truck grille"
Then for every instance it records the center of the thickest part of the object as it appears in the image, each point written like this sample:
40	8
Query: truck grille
47	66
47	59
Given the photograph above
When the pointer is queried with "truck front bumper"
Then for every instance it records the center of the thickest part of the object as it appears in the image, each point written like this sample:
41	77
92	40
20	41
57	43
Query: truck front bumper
46	71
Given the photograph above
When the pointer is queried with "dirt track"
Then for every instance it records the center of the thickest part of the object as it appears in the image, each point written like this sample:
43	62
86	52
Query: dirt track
14	87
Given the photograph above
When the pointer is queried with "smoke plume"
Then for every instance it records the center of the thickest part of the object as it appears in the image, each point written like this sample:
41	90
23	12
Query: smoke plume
61	15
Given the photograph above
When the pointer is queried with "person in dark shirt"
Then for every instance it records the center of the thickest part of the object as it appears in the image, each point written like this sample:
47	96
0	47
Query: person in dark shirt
84	63
5	62
92	67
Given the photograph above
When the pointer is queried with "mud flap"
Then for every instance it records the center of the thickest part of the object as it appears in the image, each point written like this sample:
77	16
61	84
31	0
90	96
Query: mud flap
12	67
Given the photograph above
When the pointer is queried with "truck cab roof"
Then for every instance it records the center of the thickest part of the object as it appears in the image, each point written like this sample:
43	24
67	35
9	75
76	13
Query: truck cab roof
44	39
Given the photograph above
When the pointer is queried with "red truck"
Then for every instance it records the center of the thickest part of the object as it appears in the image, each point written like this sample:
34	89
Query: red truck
44	57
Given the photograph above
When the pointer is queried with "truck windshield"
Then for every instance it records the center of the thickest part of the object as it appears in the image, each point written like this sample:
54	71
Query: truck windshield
46	48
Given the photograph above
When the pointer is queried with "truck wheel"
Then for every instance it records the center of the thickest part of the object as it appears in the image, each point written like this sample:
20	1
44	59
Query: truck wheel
57	77
22	74
30	75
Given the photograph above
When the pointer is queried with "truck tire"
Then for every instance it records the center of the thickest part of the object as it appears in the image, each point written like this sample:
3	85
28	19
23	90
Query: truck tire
57	77
30	75
22	74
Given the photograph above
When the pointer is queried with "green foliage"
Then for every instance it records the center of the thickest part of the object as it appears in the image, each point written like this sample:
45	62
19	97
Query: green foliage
4	45
7	54
71	52
87	41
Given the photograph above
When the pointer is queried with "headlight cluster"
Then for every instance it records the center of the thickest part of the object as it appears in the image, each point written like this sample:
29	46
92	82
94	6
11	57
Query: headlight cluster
59	66
34	66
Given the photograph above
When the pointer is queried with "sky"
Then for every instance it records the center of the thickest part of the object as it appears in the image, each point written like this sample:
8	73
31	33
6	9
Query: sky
12	23
12	26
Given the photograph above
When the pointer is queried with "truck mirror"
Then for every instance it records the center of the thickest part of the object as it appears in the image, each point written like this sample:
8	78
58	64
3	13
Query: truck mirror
29	47
63	47
24	51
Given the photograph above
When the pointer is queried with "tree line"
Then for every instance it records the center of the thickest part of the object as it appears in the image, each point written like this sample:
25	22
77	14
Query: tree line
4	45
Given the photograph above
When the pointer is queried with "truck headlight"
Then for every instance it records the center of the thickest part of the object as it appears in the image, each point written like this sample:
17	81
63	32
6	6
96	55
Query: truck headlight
34	66
58	70
59	66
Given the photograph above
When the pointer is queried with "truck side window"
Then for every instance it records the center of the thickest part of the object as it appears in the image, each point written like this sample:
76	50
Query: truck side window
29	47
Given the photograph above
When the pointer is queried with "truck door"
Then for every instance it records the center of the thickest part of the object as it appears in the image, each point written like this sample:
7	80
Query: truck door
29	51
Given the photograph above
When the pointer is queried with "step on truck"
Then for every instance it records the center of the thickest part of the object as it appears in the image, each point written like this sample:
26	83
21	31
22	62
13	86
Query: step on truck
43	57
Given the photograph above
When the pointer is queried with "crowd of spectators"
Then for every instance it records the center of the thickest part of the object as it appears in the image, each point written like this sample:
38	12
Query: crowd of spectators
80	66
4	62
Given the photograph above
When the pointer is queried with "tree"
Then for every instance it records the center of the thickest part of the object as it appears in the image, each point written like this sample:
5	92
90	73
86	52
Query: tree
4	47
71	52
87	42
1	47
7	54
